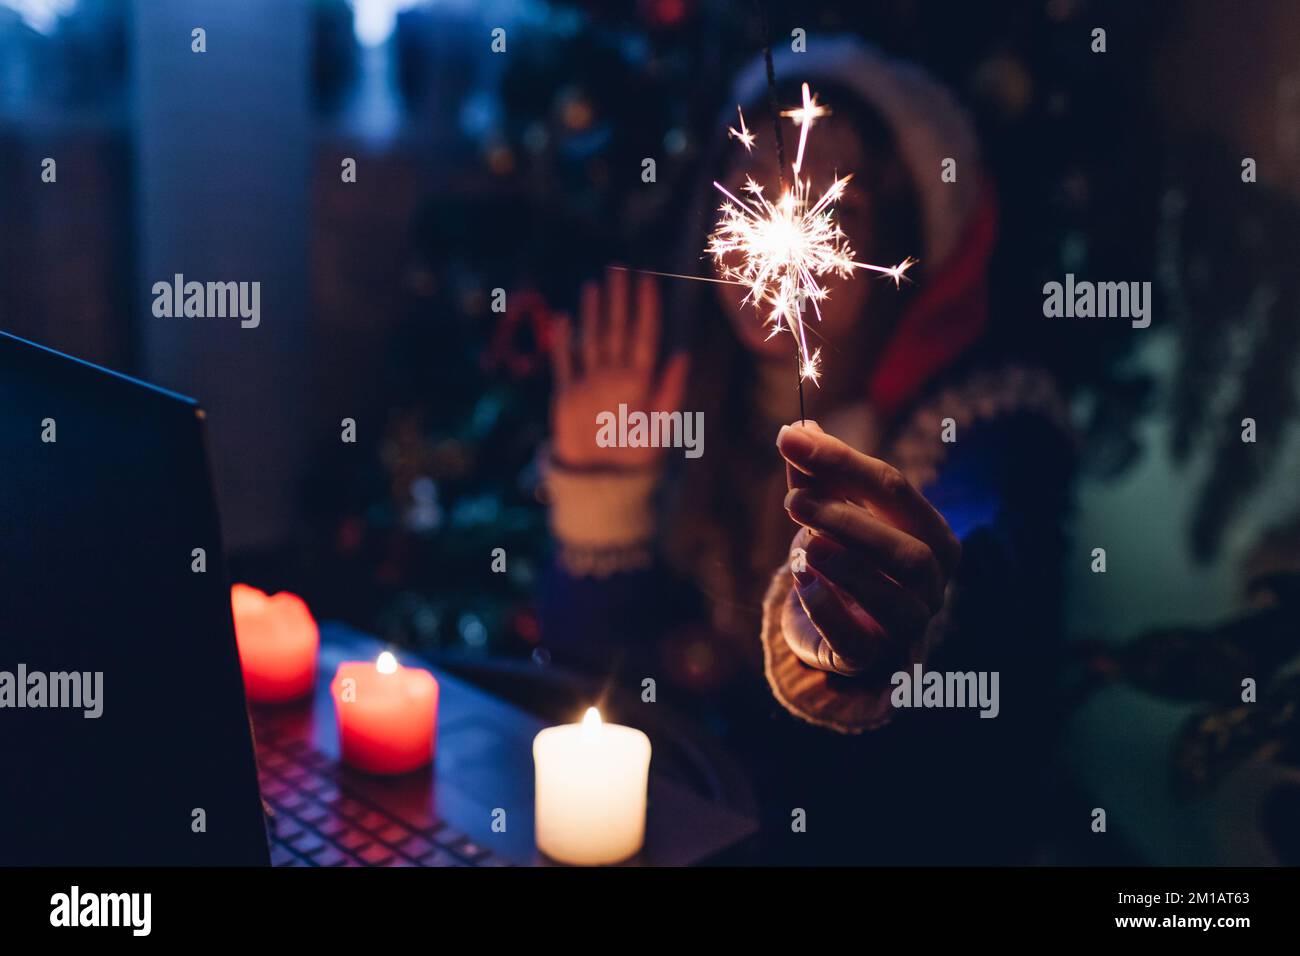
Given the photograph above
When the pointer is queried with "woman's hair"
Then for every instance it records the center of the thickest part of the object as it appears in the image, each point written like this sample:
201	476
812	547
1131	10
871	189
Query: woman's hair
710	527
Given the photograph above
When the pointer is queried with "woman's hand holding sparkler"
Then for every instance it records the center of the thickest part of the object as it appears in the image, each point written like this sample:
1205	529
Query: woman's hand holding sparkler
614	361
877	557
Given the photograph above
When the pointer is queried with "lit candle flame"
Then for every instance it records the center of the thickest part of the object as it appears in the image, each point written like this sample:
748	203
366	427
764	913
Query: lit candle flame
591	720
386	664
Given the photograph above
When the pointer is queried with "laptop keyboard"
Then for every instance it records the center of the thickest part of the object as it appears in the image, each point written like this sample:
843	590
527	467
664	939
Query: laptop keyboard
313	821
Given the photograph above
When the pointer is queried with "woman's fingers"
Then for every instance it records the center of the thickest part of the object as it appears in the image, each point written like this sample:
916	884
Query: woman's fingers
847	640
614	330
794	478
806	641
613	346
645	333
671	387
906	559
589	306
561	356
837	639
897	610
839	469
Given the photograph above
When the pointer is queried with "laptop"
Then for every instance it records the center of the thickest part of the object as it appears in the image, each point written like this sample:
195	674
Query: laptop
125	737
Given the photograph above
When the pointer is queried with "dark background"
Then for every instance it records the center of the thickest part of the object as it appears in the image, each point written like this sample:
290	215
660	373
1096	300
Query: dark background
522	171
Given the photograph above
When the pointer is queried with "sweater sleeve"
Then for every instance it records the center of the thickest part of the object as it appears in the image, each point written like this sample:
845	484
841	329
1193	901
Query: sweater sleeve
605	595
1003	490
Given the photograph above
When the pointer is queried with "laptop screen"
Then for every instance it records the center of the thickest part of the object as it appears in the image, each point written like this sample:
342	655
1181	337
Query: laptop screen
124	737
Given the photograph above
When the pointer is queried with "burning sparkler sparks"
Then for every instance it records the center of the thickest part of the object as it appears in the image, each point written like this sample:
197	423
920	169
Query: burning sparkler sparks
787	247
743	134
803	117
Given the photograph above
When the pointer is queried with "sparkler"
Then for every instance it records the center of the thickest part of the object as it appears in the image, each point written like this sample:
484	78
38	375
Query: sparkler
743	134
782	251
785	248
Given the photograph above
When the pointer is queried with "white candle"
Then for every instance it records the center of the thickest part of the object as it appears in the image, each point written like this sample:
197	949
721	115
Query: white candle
591	791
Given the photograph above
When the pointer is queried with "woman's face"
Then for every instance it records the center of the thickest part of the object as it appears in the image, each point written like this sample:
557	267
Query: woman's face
833	147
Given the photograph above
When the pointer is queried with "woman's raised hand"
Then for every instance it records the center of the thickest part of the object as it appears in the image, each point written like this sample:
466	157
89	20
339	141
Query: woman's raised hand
613	361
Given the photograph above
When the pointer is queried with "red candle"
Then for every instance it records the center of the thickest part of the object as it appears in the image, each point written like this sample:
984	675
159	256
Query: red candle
278	640
387	715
